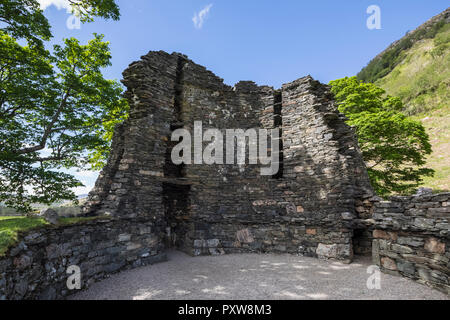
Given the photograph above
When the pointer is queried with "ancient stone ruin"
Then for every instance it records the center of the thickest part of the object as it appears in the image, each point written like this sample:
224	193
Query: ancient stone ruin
309	207
319	203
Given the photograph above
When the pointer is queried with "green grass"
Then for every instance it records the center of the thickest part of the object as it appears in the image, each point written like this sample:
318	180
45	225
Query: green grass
11	226
70	221
437	125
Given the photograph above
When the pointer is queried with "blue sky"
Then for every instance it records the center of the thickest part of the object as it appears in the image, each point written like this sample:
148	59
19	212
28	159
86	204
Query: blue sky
269	42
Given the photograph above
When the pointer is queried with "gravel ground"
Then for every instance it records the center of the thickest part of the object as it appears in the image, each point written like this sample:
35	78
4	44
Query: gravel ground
252	276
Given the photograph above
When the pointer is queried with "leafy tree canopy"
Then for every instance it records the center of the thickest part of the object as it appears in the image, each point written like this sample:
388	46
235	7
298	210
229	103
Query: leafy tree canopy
24	19
56	108
393	146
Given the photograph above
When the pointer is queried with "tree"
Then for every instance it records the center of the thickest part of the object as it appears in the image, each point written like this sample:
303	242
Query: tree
115	115
55	107
24	19
393	146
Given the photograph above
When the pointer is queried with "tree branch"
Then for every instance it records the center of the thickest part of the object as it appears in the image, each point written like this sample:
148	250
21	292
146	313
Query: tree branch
48	130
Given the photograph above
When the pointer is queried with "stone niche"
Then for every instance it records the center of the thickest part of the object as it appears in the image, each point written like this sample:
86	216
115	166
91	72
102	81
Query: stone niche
309	207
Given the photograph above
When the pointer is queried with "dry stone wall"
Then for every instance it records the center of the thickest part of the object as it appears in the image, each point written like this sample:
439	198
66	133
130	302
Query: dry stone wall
412	238
36	268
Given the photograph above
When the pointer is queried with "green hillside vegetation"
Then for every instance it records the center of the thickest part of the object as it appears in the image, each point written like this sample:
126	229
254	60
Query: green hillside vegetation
385	62
422	81
437	124
416	69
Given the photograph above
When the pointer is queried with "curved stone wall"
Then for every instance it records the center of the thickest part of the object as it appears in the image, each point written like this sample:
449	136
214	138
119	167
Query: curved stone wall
318	204
412	238
36	267
306	208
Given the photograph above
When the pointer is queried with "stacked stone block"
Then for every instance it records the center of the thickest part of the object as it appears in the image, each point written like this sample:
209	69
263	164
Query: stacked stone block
306	208
411	238
36	267
319	204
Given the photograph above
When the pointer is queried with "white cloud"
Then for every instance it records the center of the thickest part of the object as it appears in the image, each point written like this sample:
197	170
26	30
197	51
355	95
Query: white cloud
59	4
199	18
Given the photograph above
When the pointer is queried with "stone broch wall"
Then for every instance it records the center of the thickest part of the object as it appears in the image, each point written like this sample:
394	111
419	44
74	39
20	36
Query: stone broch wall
307	208
411	238
319	204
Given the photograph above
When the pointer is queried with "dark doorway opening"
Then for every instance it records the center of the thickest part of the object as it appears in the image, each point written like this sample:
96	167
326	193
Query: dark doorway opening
176	202
362	242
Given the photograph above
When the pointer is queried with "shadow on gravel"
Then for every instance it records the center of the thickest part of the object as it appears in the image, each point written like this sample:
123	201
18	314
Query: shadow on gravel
253	276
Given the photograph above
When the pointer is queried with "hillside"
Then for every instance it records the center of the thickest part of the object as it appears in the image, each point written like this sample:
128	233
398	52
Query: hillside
386	61
417	69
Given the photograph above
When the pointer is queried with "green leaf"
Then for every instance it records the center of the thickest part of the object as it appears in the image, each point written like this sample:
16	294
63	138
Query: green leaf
393	146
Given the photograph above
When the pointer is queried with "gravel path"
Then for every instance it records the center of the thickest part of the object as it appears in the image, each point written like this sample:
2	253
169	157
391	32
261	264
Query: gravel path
253	276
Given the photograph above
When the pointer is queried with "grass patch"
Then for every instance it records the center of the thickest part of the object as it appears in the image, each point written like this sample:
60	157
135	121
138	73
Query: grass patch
437	125
12	225
71	221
